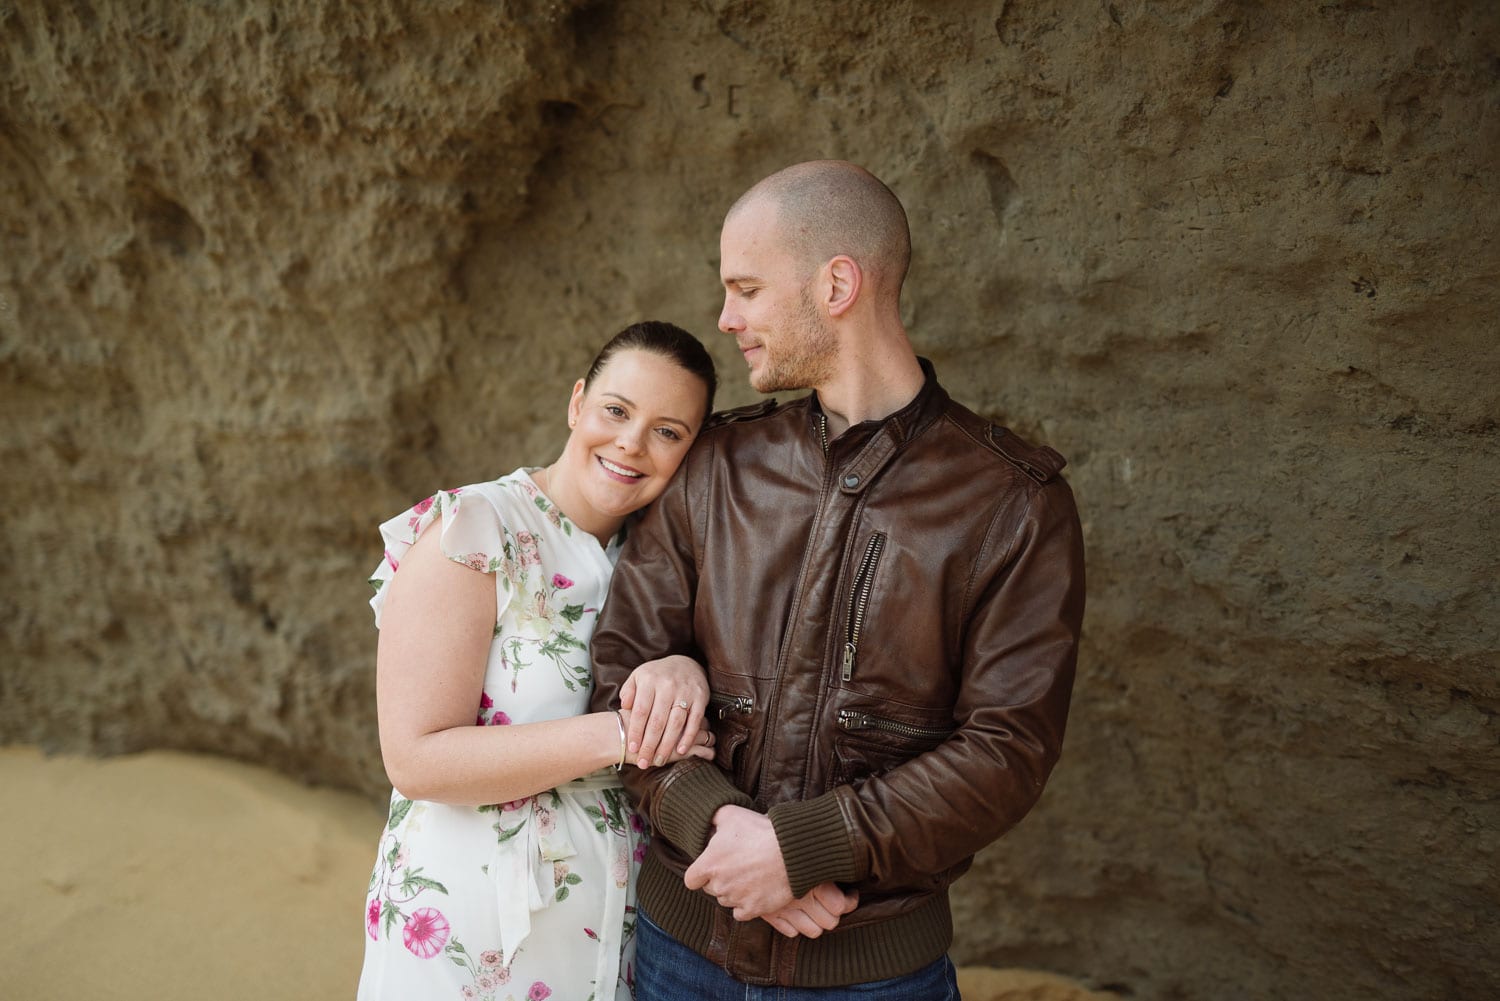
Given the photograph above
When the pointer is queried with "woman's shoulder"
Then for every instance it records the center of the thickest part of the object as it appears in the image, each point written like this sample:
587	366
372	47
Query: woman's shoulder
513	493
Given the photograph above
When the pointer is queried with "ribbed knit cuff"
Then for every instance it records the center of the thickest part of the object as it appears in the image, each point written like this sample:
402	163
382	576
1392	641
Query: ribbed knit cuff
815	844
686	805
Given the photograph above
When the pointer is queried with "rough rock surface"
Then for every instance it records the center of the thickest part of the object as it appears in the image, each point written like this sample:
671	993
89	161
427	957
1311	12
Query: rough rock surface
270	272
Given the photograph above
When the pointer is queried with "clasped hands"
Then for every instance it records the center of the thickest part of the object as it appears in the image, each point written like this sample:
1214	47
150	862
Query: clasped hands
742	868
662	704
664	701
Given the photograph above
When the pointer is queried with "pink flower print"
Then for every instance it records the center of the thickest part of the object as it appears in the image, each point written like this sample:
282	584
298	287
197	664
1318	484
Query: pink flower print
637	824
425	932
546	820
640	852
515	804
401	858
500	718
372	918
560	582
485	702
502	976
489	957
392	561
539	992
421	506
468	992
476	561
529	556
487	982
559	873
621	869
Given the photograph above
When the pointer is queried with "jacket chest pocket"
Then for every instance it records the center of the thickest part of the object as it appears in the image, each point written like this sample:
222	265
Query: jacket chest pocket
894	638
869	744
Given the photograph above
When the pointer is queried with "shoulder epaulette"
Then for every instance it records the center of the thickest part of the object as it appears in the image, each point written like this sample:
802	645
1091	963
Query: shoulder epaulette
1040	462
738	414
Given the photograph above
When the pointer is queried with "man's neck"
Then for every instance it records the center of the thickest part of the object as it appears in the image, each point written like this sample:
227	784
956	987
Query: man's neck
871	387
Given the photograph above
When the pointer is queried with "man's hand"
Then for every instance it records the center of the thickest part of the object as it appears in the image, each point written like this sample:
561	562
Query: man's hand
742	865
818	911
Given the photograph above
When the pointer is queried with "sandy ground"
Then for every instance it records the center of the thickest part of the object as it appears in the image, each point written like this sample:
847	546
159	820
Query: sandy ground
170	876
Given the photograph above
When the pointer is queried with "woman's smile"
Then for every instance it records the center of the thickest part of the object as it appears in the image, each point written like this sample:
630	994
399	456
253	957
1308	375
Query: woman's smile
618	471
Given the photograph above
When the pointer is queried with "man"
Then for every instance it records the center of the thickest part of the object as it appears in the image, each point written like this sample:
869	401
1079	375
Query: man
886	591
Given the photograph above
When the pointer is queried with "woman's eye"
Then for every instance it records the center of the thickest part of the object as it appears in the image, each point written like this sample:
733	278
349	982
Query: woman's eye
669	434
615	410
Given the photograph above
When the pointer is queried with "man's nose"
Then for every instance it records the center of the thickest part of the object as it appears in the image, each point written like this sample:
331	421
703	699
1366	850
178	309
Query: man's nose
730	320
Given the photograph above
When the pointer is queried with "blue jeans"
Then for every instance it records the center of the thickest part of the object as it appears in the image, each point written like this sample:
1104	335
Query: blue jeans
667	970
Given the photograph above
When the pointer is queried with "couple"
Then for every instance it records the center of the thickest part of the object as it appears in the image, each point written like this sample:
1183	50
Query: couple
884	593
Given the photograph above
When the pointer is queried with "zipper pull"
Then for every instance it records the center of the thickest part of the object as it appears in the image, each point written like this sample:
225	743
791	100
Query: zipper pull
848	671
849	719
738	704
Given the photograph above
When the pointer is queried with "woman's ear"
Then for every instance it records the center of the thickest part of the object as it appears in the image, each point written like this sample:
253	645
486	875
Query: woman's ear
575	403
845	280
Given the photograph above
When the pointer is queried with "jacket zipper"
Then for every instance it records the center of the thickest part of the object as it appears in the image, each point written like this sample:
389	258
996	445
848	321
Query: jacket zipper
859	600
740	705
823	431
851	719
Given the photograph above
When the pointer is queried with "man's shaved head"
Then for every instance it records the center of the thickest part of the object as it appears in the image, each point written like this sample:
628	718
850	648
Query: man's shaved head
825	208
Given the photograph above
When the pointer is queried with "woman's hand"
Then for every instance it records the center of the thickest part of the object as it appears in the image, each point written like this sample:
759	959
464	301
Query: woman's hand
700	745
666	699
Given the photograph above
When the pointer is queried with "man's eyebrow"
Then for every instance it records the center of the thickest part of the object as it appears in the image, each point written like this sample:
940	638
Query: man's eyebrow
739	279
630	403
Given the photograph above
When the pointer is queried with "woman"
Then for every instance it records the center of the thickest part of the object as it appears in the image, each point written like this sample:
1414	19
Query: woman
507	868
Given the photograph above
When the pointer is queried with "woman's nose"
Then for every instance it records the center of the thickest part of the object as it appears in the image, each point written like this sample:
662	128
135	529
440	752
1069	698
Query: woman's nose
629	439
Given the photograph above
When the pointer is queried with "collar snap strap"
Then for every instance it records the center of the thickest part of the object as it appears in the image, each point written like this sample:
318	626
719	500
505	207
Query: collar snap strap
871	459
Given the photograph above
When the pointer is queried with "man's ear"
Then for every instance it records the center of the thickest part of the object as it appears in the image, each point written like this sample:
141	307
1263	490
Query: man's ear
845	282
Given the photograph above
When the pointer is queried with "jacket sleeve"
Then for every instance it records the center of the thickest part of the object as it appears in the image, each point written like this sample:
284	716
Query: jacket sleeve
649	614
919	823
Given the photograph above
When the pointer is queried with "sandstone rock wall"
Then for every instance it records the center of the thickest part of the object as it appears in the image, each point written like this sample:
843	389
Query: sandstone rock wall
270	272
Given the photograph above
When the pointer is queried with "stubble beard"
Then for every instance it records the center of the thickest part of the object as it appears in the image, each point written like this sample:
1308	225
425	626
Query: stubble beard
809	353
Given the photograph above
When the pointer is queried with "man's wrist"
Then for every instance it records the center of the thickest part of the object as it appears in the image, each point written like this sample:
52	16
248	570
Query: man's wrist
816	845
685	808
718	817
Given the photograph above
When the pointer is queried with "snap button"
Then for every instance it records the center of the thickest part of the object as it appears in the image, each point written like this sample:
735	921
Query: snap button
851	481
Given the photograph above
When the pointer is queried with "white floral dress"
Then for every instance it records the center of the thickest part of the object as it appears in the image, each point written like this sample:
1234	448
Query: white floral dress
535	898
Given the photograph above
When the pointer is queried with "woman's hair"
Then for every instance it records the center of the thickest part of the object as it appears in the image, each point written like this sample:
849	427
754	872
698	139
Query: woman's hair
665	339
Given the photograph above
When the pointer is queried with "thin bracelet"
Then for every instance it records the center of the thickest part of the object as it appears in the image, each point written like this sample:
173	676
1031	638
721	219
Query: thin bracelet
621	721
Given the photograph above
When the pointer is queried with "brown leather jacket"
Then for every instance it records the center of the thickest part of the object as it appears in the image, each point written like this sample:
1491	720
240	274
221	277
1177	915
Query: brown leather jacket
890	623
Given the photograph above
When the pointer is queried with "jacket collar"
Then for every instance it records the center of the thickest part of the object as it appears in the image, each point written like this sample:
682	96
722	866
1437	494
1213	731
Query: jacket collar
871	444
905	424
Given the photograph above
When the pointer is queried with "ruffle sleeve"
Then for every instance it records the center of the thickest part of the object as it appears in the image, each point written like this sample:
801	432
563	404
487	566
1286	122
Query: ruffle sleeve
472	534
